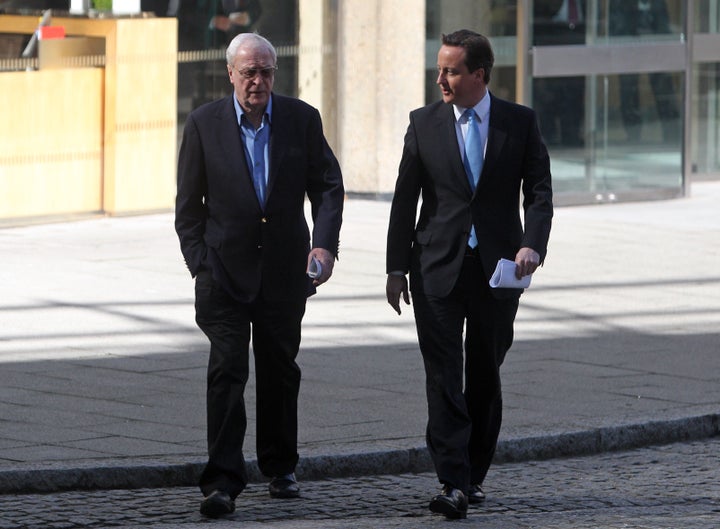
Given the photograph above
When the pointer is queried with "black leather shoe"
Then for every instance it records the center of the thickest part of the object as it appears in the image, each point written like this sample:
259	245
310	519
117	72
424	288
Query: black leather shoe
217	503
284	487
476	494
450	502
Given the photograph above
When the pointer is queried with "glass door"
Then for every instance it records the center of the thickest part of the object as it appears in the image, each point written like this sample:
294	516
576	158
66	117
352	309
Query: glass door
705	130
608	84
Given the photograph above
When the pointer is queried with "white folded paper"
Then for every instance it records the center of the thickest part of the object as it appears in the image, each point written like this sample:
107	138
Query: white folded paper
315	268
504	276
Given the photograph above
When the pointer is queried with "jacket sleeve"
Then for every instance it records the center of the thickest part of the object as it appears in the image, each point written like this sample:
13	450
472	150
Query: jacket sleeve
325	188
401	228
190	208
537	193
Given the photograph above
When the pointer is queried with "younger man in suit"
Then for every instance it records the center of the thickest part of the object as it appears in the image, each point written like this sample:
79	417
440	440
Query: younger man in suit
469	155
246	164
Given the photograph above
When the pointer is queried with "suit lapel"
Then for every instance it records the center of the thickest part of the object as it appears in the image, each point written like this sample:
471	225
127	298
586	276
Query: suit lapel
229	138
446	124
496	137
278	140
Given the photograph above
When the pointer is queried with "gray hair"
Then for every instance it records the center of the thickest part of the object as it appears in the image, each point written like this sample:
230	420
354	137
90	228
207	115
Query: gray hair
253	40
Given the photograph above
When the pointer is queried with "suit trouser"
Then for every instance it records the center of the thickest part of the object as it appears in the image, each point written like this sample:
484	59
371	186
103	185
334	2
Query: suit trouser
276	340
664	92
464	423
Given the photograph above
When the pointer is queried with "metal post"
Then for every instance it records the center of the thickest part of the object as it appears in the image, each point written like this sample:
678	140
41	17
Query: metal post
688	95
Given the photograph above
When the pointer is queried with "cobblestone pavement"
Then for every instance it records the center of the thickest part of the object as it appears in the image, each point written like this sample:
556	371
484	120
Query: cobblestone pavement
671	486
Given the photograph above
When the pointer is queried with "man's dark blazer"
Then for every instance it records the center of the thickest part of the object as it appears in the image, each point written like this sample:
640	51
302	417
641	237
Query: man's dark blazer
433	249
219	220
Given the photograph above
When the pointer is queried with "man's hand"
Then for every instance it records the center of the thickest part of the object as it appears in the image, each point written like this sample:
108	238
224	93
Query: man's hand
220	22
240	18
397	285
327	260
527	261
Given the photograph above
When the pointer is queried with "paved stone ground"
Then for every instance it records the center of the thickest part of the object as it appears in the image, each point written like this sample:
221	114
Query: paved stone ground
102	365
662	487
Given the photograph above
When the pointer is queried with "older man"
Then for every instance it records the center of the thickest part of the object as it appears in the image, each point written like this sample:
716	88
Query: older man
246	164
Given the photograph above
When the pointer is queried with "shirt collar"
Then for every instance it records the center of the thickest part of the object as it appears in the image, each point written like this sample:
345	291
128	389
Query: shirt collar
239	112
482	109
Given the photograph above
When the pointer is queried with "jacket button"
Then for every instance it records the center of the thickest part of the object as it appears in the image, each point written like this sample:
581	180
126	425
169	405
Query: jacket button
263	220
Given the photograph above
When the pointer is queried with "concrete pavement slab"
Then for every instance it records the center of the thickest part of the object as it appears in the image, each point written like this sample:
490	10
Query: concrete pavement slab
102	366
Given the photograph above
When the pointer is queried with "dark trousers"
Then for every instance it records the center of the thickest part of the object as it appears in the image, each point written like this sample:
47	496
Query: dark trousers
666	104
463	392
560	105
275	333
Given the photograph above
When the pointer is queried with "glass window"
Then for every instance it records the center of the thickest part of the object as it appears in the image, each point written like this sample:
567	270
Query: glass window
559	22
206	27
563	22
494	18
633	140
627	21
560	101
639	123
610	136
706	123
707	16
705	131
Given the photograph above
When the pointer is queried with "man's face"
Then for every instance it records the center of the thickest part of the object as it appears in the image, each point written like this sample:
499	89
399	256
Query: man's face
252	76
457	84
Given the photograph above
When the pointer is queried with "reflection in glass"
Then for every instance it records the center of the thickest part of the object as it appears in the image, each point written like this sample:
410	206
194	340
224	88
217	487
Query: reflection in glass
639	120
206	27
559	22
640	146
637	20
494	18
560	101
624	21
706	124
707	16
611	161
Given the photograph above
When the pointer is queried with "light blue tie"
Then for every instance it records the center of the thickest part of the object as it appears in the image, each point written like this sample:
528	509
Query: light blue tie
473	158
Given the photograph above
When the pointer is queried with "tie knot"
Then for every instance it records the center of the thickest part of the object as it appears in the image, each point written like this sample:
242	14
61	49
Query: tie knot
470	114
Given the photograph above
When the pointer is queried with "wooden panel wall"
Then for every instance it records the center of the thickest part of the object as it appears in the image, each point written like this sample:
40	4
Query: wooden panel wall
51	142
132	105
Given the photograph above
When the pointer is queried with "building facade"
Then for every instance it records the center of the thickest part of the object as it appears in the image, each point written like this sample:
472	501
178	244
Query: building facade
627	91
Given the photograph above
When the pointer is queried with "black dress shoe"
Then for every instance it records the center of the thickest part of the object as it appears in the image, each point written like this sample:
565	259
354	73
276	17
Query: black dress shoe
284	487
450	502
476	494
217	503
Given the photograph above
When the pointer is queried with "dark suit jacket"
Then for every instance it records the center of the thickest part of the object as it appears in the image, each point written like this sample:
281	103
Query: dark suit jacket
516	158
218	217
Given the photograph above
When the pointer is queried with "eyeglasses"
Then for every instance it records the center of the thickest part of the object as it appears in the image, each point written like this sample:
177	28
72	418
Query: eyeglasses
250	73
